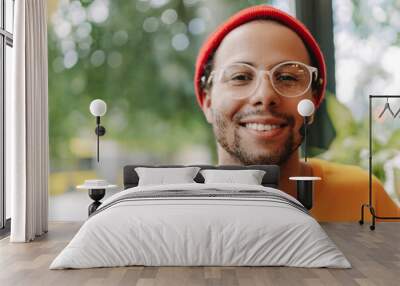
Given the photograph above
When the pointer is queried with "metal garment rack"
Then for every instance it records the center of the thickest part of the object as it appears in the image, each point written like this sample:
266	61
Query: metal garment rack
369	205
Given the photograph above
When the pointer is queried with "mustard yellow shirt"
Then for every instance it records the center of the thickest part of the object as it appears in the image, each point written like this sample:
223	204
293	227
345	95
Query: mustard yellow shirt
343	189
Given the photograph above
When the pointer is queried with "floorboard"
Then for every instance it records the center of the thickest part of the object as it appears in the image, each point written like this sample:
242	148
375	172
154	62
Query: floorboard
374	255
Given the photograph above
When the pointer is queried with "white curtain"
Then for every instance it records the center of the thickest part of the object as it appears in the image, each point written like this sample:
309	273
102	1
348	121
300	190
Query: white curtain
27	124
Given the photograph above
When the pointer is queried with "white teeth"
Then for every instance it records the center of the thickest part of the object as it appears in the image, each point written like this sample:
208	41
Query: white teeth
261	127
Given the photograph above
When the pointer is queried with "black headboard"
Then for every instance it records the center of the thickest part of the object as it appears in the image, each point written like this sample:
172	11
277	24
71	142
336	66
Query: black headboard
270	179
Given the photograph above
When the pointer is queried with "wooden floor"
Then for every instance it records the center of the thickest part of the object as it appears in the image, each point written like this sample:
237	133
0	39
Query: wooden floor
375	256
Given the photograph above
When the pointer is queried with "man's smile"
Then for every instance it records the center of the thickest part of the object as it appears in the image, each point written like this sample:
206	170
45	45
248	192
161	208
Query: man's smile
264	127
261	127
264	131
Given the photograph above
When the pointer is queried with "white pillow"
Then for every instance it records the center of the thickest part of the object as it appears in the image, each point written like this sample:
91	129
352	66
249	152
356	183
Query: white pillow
248	177
162	176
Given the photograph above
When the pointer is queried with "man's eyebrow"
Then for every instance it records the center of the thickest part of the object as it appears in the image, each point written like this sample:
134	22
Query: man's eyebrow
255	65
244	62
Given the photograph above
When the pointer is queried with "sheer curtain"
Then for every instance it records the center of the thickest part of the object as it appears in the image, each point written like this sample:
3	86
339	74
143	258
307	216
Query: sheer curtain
27	124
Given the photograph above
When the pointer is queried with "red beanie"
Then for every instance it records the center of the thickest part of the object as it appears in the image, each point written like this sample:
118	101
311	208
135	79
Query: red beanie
248	15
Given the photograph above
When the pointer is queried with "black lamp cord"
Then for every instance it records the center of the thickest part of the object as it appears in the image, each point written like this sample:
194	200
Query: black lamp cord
305	139
98	136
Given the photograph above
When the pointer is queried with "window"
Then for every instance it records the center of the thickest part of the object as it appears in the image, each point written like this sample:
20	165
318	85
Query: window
367	52
6	44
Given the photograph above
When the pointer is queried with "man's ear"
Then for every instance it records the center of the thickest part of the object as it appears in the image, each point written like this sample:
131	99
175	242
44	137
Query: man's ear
314	100
207	107
310	119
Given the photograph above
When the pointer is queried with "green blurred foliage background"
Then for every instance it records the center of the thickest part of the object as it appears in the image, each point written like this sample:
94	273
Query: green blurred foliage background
138	56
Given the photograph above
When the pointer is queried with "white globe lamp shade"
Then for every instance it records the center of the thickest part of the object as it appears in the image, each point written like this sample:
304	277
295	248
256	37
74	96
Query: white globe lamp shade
306	107
98	107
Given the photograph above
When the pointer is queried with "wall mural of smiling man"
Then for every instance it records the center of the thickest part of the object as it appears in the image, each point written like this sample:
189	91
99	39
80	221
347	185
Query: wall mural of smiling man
250	75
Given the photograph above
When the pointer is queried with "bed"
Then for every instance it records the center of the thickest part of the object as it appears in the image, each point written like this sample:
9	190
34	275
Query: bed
201	224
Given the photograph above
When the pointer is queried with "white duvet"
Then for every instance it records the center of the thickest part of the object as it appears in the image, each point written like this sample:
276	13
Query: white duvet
200	231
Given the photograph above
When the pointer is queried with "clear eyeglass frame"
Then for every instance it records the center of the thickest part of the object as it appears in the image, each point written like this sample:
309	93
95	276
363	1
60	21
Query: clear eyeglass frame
261	72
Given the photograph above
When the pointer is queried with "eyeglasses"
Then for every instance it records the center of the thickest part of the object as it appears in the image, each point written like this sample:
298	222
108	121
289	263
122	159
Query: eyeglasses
289	79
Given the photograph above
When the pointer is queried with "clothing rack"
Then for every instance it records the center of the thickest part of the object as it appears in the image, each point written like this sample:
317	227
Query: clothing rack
369	205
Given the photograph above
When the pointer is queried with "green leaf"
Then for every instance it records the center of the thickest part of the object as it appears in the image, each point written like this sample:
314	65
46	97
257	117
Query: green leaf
341	116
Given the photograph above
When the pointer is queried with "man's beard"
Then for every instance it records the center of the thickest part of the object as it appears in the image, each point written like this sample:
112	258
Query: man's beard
238	150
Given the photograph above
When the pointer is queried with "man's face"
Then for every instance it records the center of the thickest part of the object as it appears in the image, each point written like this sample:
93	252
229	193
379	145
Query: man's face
236	122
